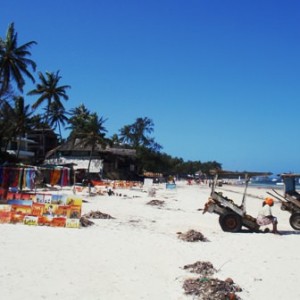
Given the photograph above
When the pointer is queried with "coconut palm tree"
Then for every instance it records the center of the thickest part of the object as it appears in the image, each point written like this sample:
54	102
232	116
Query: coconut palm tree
6	115
137	134
14	61
49	91
77	121
94	134
57	117
88	128
21	120
16	121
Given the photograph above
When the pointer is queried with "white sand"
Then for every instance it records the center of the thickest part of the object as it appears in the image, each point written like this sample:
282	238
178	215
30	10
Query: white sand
138	255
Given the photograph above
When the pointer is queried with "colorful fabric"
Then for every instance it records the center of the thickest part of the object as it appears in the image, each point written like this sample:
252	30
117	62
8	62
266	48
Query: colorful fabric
29	178
25	177
65	177
55	176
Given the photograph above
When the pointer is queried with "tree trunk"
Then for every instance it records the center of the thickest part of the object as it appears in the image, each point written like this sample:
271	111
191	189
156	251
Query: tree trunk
89	165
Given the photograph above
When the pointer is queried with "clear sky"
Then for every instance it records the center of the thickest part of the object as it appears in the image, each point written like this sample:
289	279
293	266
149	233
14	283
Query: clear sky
219	78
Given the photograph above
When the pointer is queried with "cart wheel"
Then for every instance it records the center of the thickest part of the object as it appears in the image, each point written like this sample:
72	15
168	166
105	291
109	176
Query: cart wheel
230	222
295	221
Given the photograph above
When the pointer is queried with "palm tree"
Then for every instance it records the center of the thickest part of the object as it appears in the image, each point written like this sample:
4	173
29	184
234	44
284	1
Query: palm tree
137	134
49	90
57	117
88	128
14	61
77	121
94	134
126	135
16	121
6	130
114	140
22	120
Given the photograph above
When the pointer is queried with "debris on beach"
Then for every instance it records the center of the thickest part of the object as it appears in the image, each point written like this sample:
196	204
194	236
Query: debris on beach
85	222
97	215
206	288
156	202
192	236
204	268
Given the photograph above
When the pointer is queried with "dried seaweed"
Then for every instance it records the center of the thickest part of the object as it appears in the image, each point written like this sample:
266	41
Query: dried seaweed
211	288
204	268
97	215
192	236
156	202
85	222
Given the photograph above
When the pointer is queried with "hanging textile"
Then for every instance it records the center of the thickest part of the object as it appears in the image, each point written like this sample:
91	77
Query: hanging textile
1	175
5	178
65	177
17	177
14	176
29	178
55	176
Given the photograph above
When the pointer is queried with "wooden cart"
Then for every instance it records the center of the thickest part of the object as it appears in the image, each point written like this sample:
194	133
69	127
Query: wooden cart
231	216
290	200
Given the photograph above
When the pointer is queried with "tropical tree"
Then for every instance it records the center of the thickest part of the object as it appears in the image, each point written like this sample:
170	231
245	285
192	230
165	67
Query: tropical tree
14	61
16	121
49	91
88	128
94	134
6	115
137	134
57	117
77	121
21	122
114	140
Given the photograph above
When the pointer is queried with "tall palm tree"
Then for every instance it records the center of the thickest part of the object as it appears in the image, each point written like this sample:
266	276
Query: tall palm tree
114	140
137	134
6	130
16	121
22	120
57	117
88	128
14	61
126	135
49	91
94	134
77	121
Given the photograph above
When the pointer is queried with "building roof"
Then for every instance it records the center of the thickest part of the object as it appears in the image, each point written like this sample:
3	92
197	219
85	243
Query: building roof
77	145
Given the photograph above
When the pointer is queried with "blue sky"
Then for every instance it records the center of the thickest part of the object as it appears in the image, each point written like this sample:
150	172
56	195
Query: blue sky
219	79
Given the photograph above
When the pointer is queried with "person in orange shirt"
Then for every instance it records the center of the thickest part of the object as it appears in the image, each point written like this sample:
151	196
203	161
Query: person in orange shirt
265	216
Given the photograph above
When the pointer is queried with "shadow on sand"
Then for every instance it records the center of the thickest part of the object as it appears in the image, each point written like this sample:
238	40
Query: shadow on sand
281	232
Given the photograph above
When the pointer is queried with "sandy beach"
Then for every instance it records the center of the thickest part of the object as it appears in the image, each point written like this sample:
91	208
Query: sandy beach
138	253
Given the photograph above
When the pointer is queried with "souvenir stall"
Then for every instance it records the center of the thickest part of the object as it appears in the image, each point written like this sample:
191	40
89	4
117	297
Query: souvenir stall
22	202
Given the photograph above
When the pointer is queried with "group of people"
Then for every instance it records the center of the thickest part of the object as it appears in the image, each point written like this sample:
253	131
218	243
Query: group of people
265	216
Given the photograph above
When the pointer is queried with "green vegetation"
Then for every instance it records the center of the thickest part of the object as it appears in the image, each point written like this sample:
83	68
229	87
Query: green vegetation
18	118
